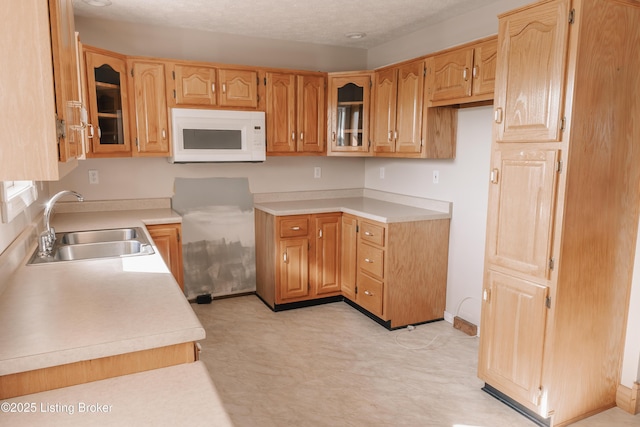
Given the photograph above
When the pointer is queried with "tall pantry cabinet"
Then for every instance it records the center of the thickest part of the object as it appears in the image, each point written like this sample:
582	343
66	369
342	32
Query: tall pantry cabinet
563	206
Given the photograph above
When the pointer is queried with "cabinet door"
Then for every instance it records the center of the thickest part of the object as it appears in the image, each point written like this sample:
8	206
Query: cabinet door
195	85
521	205
311	123
513	328
167	240
280	114
452	74
327	254
108	104
348	260
65	73
530	75
151	125
384	110
349	98
294	268
409	107
239	88
485	58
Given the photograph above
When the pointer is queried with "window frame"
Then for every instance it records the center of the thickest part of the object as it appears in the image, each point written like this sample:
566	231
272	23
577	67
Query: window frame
16	197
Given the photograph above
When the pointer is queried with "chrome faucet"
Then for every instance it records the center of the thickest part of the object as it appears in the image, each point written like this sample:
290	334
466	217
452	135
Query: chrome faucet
48	236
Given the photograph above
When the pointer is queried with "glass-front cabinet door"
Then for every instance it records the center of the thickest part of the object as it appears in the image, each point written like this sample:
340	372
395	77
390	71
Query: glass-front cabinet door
349	95
108	129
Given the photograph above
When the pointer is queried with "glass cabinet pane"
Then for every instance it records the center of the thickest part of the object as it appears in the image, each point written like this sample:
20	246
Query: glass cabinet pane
349	115
109	105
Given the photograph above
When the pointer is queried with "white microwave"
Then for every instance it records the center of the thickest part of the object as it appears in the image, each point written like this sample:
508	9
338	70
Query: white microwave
200	135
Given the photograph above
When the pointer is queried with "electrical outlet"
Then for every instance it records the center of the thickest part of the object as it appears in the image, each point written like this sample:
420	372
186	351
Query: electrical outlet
93	176
436	177
317	172
381	173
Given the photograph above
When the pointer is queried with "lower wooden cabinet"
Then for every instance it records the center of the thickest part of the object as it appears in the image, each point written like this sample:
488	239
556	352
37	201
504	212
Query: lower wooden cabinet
396	272
167	238
297	257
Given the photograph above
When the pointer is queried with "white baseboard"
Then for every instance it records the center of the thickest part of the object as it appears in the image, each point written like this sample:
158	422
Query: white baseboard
448	317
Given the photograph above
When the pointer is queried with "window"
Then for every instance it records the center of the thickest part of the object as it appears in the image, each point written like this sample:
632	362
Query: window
15	197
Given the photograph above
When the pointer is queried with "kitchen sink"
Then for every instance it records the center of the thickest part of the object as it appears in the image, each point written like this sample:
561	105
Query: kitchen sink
96	244
96	236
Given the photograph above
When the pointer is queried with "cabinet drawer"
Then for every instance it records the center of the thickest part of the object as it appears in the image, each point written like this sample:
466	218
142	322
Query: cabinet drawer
294	227
372	233
370	294
371	260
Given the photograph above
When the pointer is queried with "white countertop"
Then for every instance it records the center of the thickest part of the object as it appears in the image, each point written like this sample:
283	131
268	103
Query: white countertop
66	312
374	209
181	395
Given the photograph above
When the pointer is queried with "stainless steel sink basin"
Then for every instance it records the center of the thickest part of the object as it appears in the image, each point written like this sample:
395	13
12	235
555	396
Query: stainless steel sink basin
96	236
101	250
95	244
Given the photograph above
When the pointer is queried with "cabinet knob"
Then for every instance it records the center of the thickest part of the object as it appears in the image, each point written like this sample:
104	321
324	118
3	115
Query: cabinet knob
368	260
368	233
296	228
368	293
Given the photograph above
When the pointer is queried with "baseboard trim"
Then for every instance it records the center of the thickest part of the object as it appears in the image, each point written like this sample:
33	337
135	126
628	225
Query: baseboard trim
628	399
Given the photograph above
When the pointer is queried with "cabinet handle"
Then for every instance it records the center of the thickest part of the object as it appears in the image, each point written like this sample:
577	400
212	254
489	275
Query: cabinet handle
497	116
333	136
224	88
368	293
213	88
284	257
465	74
296	228
90	126
494	176
320	233
99	133
486	295
395	135
368	233
164	134
390	134
474	72
293	136
301	136
368	260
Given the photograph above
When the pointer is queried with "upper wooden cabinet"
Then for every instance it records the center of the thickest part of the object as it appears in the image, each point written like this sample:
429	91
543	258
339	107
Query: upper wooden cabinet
464	74
529	92
295	113
196	84
348	100
150	116
397	108
108	96
38	82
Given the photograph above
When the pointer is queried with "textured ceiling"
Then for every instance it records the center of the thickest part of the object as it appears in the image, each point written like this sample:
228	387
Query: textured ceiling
312	21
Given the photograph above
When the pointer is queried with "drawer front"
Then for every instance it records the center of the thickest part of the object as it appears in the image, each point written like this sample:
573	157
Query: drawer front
372	233
371	260
294	227
370	294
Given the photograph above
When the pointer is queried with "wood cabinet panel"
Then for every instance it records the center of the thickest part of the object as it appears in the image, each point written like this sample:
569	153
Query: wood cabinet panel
485	59
281	113
530	78
452	74
384	109
310	115
195	85
294	269
168	241
349	101
514	318
371	260
326	266
370	294
409	107
348	260
151	121
238	88
520	226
